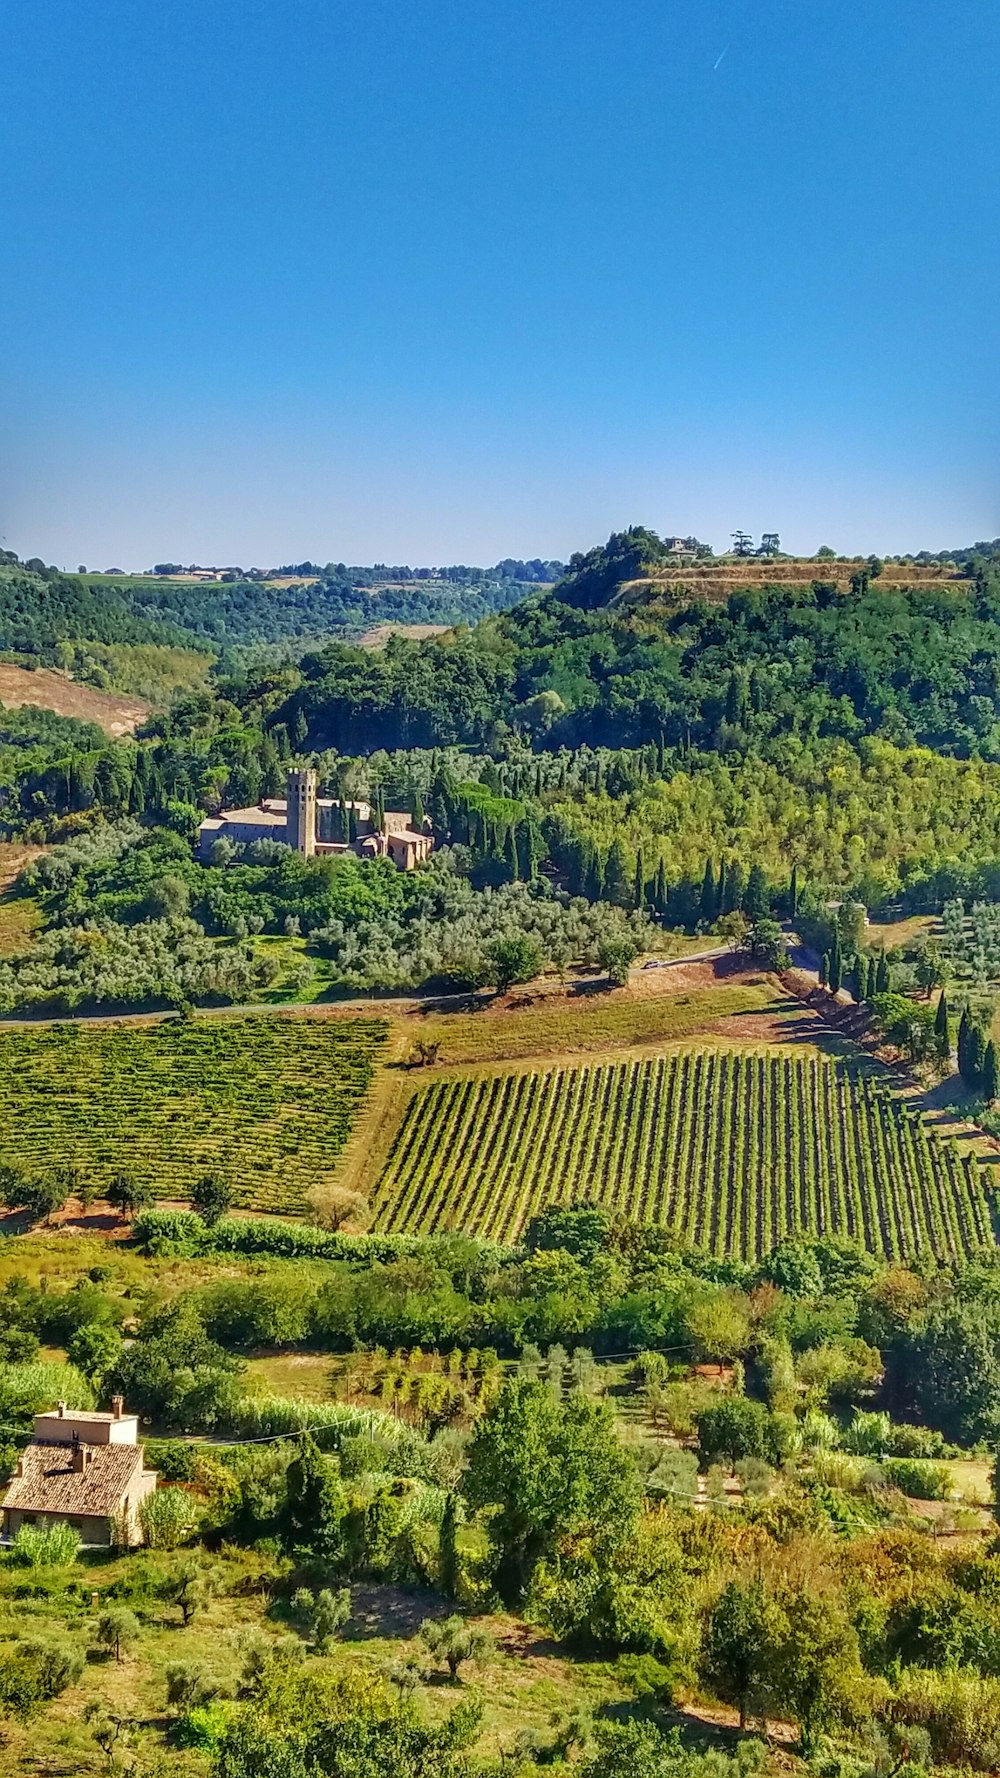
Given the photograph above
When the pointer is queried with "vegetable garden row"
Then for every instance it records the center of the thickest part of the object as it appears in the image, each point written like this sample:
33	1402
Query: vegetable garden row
733	1152
268	1102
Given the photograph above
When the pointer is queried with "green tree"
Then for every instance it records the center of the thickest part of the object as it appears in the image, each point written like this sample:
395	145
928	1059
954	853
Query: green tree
95	1348
616	953
514	959
128	1195
732	1428
453	1641
991	1081
191	1587
449	1566
547	1469
211	1197
316	1508
737	1651
942	1033
118	1630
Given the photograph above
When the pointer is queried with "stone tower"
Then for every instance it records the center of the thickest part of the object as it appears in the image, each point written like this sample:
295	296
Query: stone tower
301	818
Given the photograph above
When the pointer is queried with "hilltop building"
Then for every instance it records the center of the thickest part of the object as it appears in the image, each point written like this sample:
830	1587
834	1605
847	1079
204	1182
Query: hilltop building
84	1470
307	823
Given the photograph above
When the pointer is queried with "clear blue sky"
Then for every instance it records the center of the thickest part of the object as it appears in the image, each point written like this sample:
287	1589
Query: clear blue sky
440	280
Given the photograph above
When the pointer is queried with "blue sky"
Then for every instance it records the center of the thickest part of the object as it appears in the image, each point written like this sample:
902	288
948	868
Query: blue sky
442	280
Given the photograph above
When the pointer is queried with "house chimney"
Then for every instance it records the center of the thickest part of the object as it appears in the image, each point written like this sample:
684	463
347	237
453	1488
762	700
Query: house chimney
80	1455
117	1406
61	1409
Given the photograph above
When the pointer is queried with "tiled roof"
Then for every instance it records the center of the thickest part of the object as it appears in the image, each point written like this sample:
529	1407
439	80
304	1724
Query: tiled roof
48	1483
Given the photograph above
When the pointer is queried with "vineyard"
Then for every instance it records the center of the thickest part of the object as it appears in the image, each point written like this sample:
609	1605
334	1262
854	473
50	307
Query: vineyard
268	1102
732	1152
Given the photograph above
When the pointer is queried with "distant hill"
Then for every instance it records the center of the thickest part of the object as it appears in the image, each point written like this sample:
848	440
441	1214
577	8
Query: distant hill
638	567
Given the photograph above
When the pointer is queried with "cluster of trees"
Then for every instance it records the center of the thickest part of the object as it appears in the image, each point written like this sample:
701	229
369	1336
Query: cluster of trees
812	1597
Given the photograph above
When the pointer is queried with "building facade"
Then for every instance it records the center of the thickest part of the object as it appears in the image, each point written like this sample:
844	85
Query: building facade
299	818
83	1470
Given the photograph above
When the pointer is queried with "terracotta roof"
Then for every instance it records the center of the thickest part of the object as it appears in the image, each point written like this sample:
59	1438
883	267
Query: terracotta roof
48	1483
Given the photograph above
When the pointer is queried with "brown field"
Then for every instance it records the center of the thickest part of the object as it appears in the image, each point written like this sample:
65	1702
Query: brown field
379	634
49	690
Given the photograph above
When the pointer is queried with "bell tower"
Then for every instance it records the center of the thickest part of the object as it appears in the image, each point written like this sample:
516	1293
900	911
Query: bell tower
300	822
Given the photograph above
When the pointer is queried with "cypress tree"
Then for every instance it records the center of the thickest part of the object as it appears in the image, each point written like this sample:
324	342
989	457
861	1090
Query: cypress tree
352	825
595	877
720	893
510	854
836	971
616	884
448	1561
858	979
991	1080
882	975
661	890
708	904
756	901
871	988
824	969
942	1039
793	892
975	1057
639	888
963	1042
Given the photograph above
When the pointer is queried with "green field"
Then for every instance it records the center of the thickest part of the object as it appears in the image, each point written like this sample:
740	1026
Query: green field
268	1102
734	1152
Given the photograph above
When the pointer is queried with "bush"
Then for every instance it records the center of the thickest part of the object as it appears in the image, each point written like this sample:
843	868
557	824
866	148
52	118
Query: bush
733	1428
46	1546
920	1480
960	1711
172	1458
167	1518
204	1726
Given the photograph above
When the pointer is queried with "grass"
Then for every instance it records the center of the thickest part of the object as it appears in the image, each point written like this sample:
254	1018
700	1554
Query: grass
521	1683
733	1153
268	1102
564	1024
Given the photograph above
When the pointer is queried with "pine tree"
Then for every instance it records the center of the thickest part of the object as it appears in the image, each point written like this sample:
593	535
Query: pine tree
639	887
942	1038
991	1077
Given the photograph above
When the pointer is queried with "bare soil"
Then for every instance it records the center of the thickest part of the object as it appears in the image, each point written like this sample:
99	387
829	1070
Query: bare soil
46	689
379	634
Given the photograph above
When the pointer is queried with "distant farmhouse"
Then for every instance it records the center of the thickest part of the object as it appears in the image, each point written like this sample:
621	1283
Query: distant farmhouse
308	823
84	1470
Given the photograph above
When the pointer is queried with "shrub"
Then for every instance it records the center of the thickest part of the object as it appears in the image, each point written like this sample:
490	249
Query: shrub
167	1518
172	1458
920	1480
46	1546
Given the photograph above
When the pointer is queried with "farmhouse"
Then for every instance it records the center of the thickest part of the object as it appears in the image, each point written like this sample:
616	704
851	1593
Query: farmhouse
315	826
84	1470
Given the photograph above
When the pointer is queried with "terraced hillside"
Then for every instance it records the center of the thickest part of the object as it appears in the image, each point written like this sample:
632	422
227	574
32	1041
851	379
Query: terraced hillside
734	1152
268	1102
716	581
